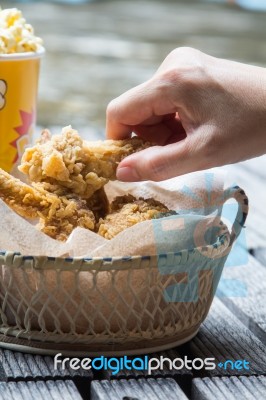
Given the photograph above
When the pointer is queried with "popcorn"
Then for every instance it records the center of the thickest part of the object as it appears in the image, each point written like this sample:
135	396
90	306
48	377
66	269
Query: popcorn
16	36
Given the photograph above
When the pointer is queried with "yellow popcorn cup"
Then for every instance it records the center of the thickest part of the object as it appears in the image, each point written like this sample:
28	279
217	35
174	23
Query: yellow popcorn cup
19	75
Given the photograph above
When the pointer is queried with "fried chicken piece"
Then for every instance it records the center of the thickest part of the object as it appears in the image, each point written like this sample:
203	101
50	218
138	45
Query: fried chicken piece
98	204
66	163
127	211
58	215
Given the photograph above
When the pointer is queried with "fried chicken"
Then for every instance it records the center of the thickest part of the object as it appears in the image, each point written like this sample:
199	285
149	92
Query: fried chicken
98	203
126	211
58	216
68	177
65	163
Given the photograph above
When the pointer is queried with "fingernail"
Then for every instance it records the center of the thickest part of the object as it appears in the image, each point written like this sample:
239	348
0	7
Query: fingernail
127	174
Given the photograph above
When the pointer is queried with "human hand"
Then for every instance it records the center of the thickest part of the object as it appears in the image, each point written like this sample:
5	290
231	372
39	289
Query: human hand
200	111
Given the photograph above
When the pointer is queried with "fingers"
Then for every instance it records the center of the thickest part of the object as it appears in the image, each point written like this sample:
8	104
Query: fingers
160	162
165	93
145	102
168	130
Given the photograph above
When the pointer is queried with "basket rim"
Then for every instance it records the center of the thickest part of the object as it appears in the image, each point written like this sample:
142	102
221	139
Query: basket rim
17	260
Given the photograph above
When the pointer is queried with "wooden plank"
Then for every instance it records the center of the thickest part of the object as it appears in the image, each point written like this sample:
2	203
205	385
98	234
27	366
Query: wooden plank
229	388
18	365
182	376
52	390
3	376
250	306
260	254
141	389
223	337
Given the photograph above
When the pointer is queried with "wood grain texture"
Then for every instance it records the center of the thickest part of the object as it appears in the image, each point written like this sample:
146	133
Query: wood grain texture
233	388
52	390
20	366
151	389
224	337
248	304
260	254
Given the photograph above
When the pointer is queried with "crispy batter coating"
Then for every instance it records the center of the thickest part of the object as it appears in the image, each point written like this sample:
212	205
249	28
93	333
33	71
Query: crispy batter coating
127	211
68	177
66	163
99	204
58	215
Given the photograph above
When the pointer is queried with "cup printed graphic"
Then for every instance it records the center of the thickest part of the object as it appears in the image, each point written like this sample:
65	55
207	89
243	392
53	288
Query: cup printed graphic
24	131
18	95
3	90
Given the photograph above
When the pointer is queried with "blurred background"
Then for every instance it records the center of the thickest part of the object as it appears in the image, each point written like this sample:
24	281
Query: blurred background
98	49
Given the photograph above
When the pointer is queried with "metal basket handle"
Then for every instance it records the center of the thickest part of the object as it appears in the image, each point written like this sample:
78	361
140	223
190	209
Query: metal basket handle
235	192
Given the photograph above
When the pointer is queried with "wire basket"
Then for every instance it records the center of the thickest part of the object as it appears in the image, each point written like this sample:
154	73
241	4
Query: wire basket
111	306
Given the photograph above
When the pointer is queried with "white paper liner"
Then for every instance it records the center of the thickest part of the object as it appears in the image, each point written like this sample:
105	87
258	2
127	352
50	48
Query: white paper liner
196	197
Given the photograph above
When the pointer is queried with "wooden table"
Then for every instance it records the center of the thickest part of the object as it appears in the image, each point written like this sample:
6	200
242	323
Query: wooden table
235	329
125	43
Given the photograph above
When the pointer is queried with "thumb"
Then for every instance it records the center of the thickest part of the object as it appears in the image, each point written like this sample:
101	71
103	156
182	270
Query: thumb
160	162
